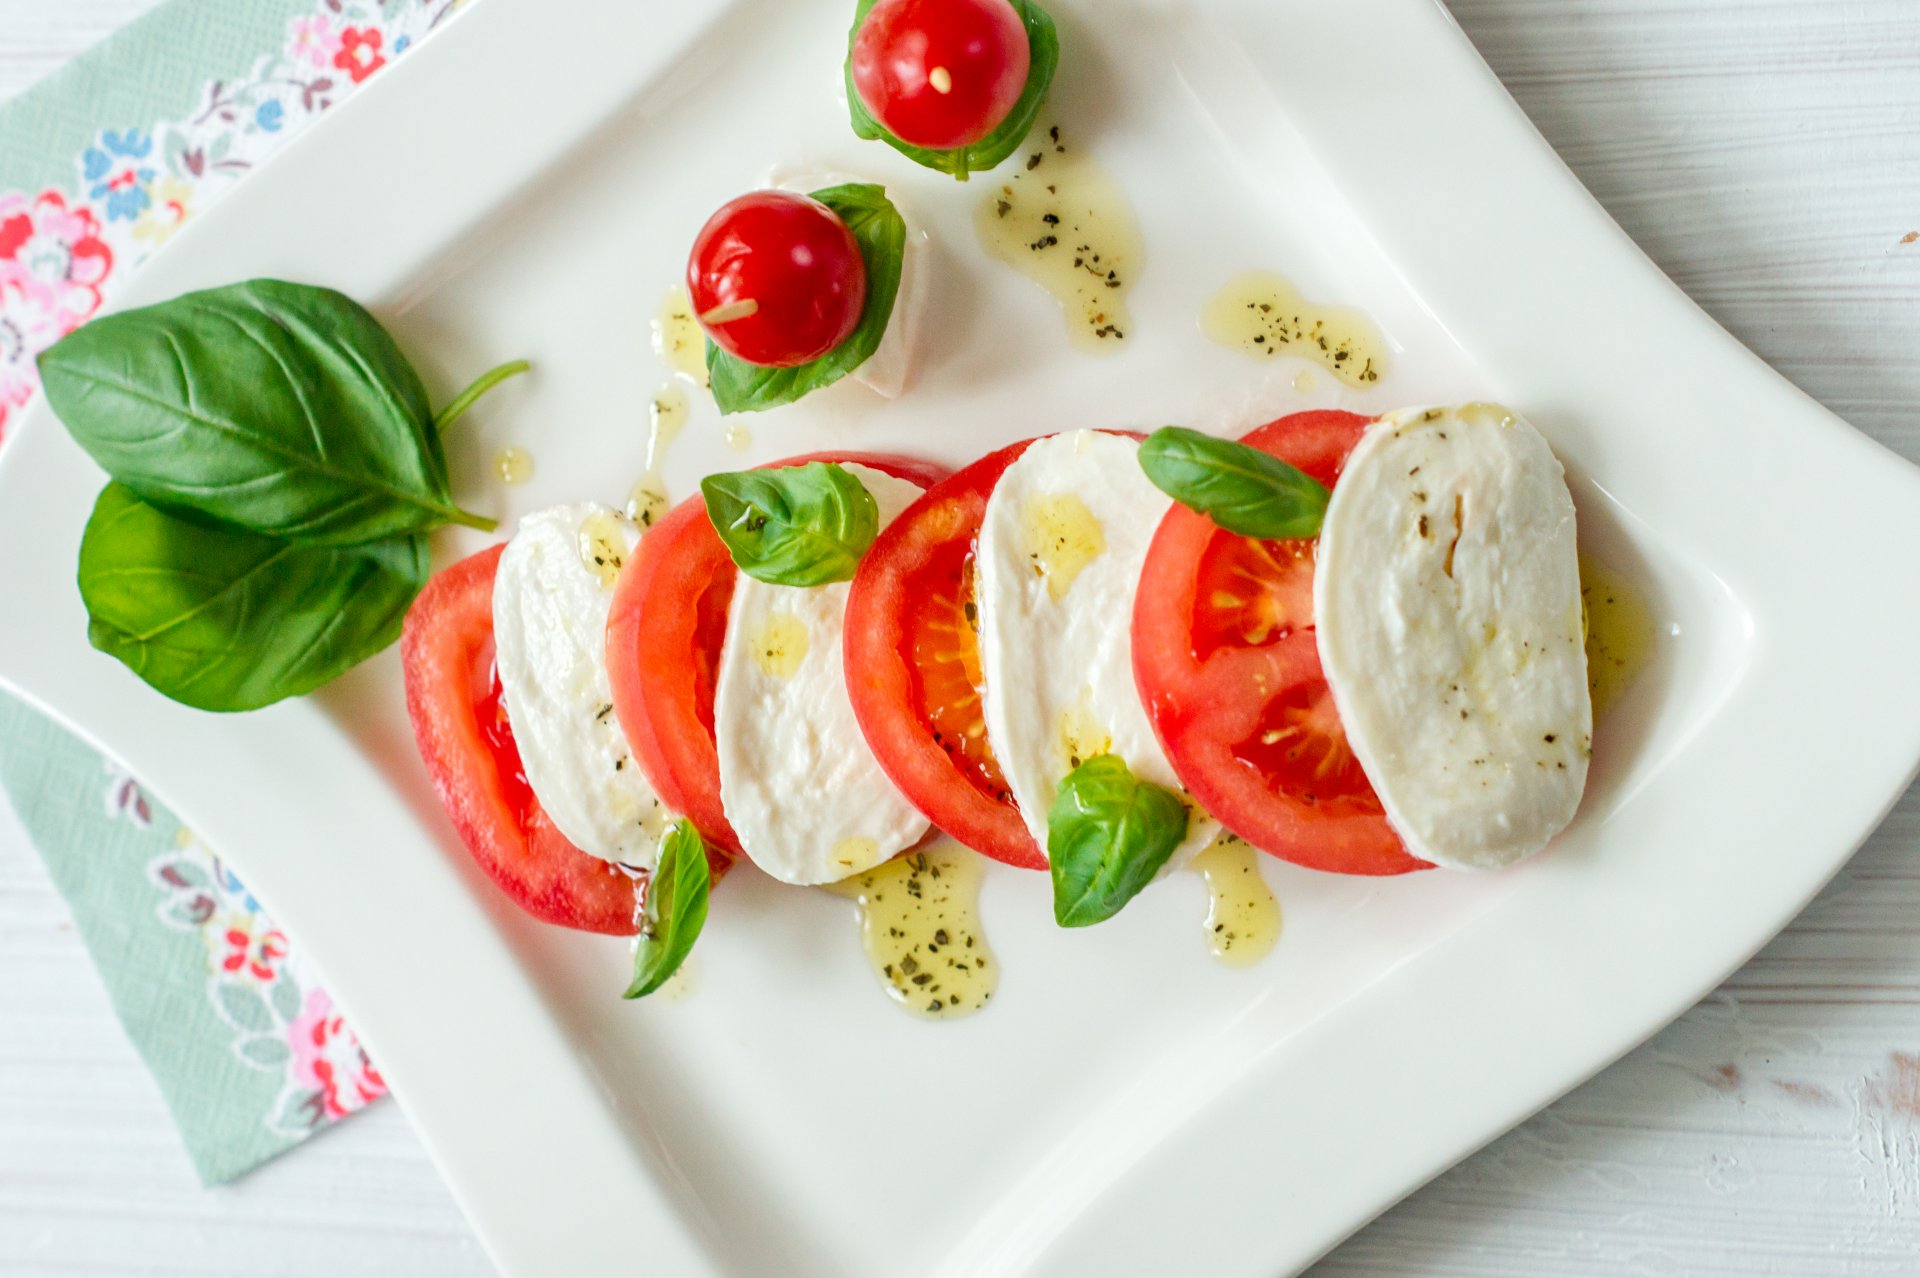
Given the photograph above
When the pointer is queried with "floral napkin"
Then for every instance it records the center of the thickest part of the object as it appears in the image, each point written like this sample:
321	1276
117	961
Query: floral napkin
99	165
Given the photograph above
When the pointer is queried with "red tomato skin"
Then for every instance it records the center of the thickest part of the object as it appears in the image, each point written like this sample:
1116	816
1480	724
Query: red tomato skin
982	46
796	260
664	636
1196	723
446	647
880	672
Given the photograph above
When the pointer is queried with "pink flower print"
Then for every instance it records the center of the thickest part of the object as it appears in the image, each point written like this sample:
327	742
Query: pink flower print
313	41
328	1058
53	264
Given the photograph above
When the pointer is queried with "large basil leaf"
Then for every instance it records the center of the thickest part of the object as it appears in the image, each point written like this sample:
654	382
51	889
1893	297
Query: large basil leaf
224	620
676	910
1239	487
1108	834
795	525
280	408
881	234
1043	46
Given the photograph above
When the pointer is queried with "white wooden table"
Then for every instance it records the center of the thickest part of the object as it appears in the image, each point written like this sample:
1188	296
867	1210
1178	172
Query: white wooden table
1767	154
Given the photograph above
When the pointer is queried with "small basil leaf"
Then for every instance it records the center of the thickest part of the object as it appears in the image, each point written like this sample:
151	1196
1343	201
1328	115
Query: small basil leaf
1240	488
794	526
1043	45
219	619
280	408
676	910
1108	834
881	234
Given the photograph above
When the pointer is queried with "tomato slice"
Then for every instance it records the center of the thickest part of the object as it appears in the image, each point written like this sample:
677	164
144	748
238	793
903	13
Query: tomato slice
1226	661
453	697
664	635
913	665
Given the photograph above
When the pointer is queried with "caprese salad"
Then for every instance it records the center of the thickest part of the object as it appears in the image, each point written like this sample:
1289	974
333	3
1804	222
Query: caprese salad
1355	644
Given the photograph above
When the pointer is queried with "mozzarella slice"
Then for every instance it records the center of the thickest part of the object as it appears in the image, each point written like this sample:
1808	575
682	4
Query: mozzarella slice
551	596
799	785
885	372
1055	572
1447	605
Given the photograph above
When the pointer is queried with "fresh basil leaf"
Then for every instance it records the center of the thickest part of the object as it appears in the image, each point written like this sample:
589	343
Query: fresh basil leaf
1043	45
881	234
676	910
1240	488
279	408
1108	834
219	619
793	526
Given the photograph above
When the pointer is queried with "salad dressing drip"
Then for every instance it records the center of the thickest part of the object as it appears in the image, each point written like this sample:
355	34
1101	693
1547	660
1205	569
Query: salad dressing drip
602	547
678	338
739	438
1061	537
1065	224
1243	918
1262	315
513	465
1620	632
780	645
666	415
920	926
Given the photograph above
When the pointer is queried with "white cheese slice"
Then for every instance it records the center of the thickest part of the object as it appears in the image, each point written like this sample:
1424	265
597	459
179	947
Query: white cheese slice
1056	569
551	596
799	785
886	371
1447	604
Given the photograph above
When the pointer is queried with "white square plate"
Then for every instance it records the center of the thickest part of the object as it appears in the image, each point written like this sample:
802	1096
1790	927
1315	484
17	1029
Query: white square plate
527	183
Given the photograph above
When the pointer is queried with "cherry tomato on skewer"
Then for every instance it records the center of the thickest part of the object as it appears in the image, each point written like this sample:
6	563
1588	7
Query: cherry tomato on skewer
941	74
777	278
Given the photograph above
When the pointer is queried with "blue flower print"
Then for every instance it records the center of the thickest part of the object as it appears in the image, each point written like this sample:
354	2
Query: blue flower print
270	115
116	175
401	45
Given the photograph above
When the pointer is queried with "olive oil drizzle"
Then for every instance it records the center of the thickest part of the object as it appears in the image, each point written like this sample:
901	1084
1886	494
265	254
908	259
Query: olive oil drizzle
513	465
666	415
1243	918
678	338
1620	632
1064	223
1262	315
920	927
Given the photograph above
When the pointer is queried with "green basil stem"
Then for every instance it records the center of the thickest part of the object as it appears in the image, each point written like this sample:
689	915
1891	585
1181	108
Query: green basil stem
458	408
471	395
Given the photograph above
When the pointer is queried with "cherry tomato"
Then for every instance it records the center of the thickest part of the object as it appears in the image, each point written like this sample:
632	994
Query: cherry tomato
941	74
1227	664
453	698
913	665
777	279
664	636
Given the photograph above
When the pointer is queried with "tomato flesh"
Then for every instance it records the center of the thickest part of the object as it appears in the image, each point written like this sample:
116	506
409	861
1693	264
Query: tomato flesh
468	746
1228	666
913	665
777	278
941	74
665	633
